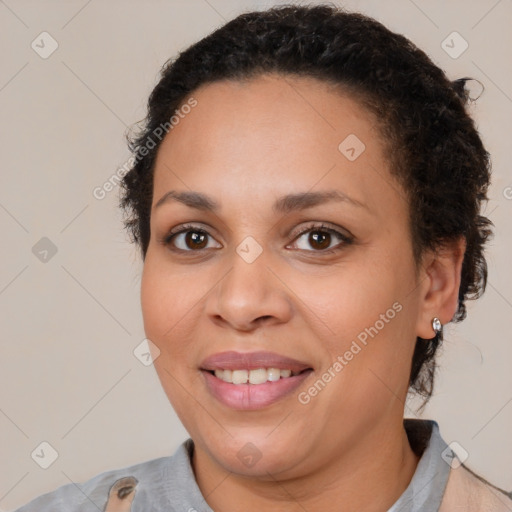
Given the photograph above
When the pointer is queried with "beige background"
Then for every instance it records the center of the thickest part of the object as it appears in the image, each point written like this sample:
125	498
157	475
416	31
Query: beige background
69	326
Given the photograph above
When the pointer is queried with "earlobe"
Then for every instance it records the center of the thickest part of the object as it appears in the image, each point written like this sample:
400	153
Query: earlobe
441	278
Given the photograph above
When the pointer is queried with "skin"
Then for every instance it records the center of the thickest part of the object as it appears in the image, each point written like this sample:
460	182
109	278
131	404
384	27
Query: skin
245	144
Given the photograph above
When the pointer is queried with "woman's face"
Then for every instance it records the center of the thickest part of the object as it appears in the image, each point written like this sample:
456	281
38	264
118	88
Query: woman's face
255	288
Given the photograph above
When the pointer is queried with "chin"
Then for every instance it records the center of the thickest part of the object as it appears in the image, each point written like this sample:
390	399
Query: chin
253	452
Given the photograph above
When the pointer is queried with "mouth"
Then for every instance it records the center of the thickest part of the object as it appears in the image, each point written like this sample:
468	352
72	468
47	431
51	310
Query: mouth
253	380
254	377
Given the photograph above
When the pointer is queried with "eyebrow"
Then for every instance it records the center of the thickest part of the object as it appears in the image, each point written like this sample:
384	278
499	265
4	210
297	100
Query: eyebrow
284	204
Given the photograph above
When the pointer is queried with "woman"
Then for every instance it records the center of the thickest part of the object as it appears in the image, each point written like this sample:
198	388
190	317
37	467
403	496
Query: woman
306	195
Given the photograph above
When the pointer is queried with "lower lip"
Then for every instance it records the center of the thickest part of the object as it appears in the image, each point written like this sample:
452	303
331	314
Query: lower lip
252	396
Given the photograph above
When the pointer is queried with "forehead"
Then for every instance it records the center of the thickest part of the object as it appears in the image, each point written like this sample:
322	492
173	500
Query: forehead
268	111
271	136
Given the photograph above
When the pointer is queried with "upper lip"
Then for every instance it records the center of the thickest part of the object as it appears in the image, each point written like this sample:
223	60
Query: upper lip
232	360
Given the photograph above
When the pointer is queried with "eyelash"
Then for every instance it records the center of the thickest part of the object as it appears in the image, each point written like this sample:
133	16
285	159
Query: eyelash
346	240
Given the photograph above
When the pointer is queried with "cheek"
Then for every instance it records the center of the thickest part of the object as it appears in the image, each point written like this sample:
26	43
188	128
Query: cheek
350	299
168	292
366	316
165	301
167	308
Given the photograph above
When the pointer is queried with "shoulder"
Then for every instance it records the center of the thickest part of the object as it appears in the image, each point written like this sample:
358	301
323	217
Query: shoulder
466	490
116	487
447	484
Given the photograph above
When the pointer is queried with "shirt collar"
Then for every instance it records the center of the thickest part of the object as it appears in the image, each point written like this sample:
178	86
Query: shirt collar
423	494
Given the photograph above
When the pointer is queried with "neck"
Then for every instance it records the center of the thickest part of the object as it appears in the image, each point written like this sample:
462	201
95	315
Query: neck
370	476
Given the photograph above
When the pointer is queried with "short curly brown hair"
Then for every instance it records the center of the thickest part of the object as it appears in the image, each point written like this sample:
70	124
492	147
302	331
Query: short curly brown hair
432	144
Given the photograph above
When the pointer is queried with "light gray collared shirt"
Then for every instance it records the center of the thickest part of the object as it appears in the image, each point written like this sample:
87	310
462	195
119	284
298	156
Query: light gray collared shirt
168	484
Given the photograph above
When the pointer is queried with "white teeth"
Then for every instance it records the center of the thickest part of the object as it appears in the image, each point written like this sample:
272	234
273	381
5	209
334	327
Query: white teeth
258	376
225	375
273	374
240	376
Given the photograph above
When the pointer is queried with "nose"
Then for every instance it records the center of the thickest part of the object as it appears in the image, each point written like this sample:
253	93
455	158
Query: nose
250	295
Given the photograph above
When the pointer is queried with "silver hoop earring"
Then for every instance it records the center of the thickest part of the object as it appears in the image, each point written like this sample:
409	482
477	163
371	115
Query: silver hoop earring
437	325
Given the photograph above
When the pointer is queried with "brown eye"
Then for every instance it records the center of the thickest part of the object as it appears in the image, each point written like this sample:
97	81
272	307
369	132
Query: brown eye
320	239
188	239
195	240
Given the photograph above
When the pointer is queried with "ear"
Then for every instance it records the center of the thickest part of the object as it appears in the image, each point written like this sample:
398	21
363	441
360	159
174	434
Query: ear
440	281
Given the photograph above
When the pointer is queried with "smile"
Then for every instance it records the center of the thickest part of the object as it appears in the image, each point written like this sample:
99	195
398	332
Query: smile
258	376
253	380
